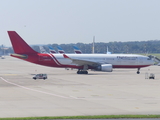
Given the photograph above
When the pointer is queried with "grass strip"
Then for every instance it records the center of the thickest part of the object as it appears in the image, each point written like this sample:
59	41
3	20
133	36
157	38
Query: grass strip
85	117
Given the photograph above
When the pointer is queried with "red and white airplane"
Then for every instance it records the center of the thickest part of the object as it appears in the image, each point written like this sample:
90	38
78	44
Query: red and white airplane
82	62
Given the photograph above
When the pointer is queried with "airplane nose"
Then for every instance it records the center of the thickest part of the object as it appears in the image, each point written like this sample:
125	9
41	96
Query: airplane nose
152	62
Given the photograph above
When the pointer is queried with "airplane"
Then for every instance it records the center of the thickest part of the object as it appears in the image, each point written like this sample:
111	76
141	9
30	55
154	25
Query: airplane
82	62
77	50
42	50
108	51
51	50
60	50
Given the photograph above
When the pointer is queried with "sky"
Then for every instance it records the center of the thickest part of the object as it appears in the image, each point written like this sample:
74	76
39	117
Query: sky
77	21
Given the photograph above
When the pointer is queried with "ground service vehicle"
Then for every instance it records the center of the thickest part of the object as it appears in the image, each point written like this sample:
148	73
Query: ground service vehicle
40	76
151	76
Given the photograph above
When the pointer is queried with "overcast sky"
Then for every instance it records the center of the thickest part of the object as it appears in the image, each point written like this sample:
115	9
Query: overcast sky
73	21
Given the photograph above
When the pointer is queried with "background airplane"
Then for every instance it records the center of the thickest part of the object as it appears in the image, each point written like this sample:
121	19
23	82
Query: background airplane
82	62
108	51
77	50
60	50
52	50
42	50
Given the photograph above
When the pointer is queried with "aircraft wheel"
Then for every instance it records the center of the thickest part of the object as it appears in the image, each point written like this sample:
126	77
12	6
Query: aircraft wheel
82	72
78	72
86	72
138	71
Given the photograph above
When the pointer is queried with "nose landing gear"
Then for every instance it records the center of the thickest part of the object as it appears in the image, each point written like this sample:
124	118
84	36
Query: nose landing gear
138	72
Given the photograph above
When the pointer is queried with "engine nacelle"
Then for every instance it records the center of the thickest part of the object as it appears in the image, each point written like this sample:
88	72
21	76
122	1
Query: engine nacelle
105	68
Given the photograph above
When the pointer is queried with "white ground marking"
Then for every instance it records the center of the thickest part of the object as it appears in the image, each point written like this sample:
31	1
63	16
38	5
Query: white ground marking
35	90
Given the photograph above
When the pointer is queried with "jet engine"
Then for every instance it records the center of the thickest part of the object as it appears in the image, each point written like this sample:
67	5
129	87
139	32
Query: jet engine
105	68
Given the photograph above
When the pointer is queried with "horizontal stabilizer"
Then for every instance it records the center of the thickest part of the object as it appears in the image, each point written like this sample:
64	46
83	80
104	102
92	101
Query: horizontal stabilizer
20	56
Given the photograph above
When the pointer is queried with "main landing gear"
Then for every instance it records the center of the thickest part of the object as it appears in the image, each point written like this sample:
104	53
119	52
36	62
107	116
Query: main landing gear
138	72
82	72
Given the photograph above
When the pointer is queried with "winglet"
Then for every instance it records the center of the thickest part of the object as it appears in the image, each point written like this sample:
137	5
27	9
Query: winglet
65	56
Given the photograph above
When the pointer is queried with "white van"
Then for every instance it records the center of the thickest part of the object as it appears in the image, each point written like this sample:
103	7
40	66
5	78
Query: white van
40	76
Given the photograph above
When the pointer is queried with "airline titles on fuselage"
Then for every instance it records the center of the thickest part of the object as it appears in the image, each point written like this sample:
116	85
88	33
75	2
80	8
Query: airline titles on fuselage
127	58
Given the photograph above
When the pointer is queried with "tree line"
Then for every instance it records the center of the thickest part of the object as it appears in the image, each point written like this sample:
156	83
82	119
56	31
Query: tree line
134	47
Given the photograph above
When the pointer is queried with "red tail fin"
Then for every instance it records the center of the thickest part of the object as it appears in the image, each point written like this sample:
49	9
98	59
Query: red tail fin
19	45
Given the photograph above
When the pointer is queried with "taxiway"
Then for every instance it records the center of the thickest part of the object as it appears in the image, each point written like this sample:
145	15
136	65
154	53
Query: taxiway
66	93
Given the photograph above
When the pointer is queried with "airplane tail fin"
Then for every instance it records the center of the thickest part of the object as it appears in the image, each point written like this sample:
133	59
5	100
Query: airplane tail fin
60	50
19	45
51	50
77	50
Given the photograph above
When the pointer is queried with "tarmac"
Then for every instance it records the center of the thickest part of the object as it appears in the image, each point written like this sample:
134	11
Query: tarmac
66	93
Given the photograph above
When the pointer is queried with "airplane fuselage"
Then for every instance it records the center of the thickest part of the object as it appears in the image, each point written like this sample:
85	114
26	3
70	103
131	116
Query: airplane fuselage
117	60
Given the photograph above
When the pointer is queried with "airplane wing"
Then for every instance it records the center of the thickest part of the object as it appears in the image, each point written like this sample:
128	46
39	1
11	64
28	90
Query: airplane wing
81	62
